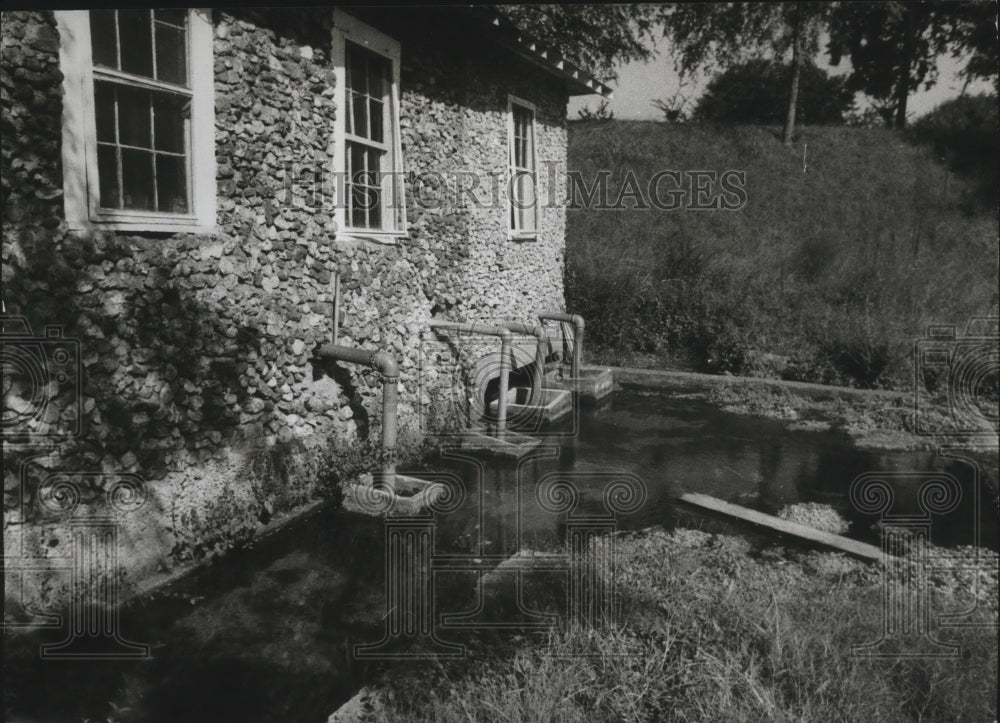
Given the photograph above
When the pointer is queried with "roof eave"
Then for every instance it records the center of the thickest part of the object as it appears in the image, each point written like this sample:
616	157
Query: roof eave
578	81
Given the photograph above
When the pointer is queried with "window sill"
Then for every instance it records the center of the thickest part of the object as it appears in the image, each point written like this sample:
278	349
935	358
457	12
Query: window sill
523	236
383	238
144	226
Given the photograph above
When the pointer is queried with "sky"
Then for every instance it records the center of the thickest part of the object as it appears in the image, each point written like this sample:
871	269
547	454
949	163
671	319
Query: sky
640	83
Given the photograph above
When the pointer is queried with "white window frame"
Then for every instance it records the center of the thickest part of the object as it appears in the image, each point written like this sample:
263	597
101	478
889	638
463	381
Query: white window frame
79	149
347	28
512	232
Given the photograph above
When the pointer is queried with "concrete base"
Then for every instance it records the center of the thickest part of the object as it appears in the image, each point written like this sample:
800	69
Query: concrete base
411	496
594	383
555	404
512	444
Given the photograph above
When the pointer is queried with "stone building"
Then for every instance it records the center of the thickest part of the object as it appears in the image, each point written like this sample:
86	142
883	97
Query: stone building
182	193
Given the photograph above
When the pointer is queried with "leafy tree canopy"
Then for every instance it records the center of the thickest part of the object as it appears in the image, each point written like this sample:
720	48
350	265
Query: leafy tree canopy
894	46
596	37
754	92
707	35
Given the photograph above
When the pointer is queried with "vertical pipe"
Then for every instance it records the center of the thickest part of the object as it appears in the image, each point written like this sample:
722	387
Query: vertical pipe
578	325
541	346
386	366
336	306
577	345
505	353
505	339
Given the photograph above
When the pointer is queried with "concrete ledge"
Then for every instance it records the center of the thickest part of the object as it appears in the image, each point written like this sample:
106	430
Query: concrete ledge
555	404
410	497
512	445
593	385
668	379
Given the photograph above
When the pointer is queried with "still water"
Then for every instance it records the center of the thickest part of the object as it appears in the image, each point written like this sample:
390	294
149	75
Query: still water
267	634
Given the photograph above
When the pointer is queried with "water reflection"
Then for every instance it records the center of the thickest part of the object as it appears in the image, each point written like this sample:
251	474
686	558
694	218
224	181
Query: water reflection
267	633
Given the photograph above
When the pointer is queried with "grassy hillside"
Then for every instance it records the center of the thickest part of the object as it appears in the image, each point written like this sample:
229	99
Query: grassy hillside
848	245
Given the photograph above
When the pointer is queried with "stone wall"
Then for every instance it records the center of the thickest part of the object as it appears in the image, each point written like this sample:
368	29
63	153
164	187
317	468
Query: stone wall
197	369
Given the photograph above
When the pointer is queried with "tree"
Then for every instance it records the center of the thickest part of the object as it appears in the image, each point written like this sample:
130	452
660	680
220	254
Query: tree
596	37
893	46
752	92
724	34
601	113
974	36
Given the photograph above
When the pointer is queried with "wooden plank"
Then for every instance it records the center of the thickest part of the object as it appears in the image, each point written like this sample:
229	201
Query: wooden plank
838	542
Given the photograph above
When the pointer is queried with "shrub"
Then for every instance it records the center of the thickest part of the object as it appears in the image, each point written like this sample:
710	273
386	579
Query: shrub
826	275
965	132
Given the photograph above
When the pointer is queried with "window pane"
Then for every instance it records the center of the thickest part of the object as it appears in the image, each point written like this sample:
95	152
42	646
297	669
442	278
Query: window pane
374	208
357	161
358	216
137	43
103	40
375	114
171	183
168	114
374	166
104	110
175	17
137	179
360	124
171	58
133	117
529	145
107	176
523	202
377	76
357	69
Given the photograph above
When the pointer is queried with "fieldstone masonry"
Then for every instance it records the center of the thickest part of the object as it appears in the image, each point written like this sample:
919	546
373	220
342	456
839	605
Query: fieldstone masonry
197	351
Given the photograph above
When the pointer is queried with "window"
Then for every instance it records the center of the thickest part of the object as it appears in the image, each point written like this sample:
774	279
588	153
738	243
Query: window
368	151
138	120
523	169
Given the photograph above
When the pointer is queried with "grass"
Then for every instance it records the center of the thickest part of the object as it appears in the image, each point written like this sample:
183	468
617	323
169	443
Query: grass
849	244
713	629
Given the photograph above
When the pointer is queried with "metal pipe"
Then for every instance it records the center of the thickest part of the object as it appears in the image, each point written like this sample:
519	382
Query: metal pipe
505	341
541	351
577	321
386	366
336	306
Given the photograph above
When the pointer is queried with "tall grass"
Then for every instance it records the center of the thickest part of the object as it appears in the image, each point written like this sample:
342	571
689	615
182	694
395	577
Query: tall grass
710	632
848	245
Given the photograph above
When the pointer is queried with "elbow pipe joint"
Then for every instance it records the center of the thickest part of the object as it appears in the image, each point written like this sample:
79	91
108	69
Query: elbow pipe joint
505	343
385	364
575	319
578	327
